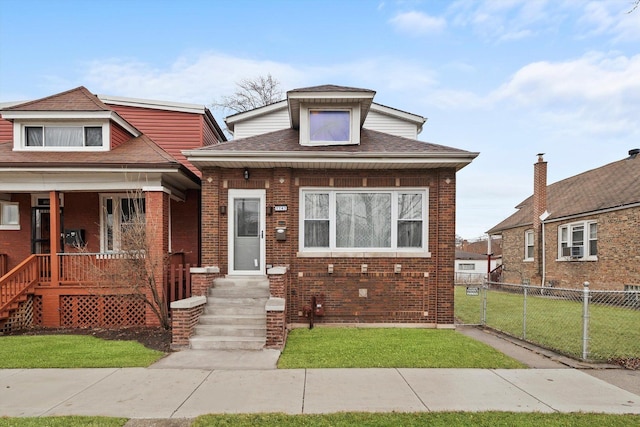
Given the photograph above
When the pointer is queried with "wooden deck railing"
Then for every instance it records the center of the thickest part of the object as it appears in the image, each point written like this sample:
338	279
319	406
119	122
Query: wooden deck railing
17	283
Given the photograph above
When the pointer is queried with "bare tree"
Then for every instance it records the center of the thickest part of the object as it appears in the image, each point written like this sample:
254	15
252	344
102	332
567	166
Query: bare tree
251	93
138	267
635	5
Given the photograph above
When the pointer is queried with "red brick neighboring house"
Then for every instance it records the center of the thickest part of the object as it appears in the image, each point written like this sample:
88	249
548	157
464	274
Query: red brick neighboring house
69	166
582	228
321	193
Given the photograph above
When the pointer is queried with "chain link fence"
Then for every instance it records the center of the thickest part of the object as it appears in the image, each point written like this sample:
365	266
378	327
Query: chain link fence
585	324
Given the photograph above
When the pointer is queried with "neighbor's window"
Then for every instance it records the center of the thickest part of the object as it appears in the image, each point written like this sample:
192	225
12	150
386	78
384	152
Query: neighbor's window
329	125
123	222
63	136
354	219
578	240
528	245
466	266
9	216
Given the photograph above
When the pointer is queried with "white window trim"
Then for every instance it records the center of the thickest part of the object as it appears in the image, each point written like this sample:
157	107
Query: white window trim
526	245
103	224
9	226
20	139
394	252
586	230
354	117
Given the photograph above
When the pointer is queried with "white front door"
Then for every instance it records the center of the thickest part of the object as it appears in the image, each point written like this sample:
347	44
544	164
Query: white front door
246	232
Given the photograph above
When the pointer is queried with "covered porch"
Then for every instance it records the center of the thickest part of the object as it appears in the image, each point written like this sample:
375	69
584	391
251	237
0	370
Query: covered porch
68	258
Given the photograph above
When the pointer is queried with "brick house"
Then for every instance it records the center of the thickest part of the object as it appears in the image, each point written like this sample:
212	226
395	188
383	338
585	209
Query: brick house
77	165
332	196
582	228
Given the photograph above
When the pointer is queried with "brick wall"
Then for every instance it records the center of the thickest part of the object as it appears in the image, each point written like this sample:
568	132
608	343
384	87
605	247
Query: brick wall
618	262
185	227
184	318
421	293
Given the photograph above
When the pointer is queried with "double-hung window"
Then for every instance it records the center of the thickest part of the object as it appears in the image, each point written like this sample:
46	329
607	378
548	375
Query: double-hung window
123	223
578	240
528	245
9	216
372	220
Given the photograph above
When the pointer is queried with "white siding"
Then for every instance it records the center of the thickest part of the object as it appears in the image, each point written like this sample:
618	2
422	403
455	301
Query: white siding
270	122
391	125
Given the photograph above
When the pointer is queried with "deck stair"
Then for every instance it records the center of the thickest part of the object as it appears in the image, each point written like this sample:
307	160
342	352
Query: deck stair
234	317
16	285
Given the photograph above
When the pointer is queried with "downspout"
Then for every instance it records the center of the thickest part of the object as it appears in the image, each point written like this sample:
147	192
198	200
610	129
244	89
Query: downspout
543	243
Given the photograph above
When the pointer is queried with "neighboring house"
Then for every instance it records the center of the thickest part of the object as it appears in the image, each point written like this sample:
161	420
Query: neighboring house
332	196
583	228
471	267
71	166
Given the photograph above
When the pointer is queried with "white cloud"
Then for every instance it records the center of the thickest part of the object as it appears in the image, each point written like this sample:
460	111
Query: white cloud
611	18
597	92
418	23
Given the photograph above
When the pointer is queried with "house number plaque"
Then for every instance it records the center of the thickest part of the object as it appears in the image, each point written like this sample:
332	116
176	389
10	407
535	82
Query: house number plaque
280	208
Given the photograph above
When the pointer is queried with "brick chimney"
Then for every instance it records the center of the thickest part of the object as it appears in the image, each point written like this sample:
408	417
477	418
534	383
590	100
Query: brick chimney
539	190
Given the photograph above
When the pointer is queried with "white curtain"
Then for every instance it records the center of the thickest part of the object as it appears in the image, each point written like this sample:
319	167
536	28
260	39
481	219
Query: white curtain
410	220
363	220
34	136
316	222
63	136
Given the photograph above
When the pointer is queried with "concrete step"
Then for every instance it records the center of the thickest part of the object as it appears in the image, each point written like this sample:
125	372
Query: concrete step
233	309
233	319
231	330
239	292
226	343
242	301
240	281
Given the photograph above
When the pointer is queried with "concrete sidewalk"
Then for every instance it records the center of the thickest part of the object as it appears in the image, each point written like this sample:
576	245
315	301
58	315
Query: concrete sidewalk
186	393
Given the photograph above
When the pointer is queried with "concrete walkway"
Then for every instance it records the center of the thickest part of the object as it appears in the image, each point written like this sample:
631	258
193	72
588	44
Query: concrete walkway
190	383
187	393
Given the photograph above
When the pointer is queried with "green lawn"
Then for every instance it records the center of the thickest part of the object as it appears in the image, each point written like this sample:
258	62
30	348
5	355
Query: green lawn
433	419
348	419
72	351
388	348
557	323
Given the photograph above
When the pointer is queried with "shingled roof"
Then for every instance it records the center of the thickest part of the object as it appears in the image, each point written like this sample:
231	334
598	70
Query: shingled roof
282	148
78	99
611	186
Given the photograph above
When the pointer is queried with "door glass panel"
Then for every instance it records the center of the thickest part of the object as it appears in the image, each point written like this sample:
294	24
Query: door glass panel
246	256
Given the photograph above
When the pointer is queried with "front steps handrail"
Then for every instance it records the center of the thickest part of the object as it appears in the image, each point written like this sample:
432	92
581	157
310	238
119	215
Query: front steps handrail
18	282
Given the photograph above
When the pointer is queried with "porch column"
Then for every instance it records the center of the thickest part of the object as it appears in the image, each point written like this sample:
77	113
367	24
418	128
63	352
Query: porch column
51	300
157	230
54	237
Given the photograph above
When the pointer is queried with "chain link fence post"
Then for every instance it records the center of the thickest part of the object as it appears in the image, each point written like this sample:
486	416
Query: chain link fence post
585	321
485	290
525	284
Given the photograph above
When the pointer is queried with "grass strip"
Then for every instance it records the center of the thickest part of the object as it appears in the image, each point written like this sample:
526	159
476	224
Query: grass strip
72	351
432	419
388	348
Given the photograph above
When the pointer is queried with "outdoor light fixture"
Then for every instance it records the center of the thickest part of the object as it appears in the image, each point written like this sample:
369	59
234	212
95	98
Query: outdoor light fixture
269	210
246	173
223	210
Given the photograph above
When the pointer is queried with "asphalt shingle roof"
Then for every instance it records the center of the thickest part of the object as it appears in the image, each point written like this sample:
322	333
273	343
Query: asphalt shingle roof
371	141
78	99
610	186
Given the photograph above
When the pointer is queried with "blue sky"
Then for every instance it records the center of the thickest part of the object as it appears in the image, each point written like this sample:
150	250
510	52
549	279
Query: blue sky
508	78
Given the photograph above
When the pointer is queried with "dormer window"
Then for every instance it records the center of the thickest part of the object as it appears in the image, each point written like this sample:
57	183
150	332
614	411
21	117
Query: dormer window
63	136
324	126
329	126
